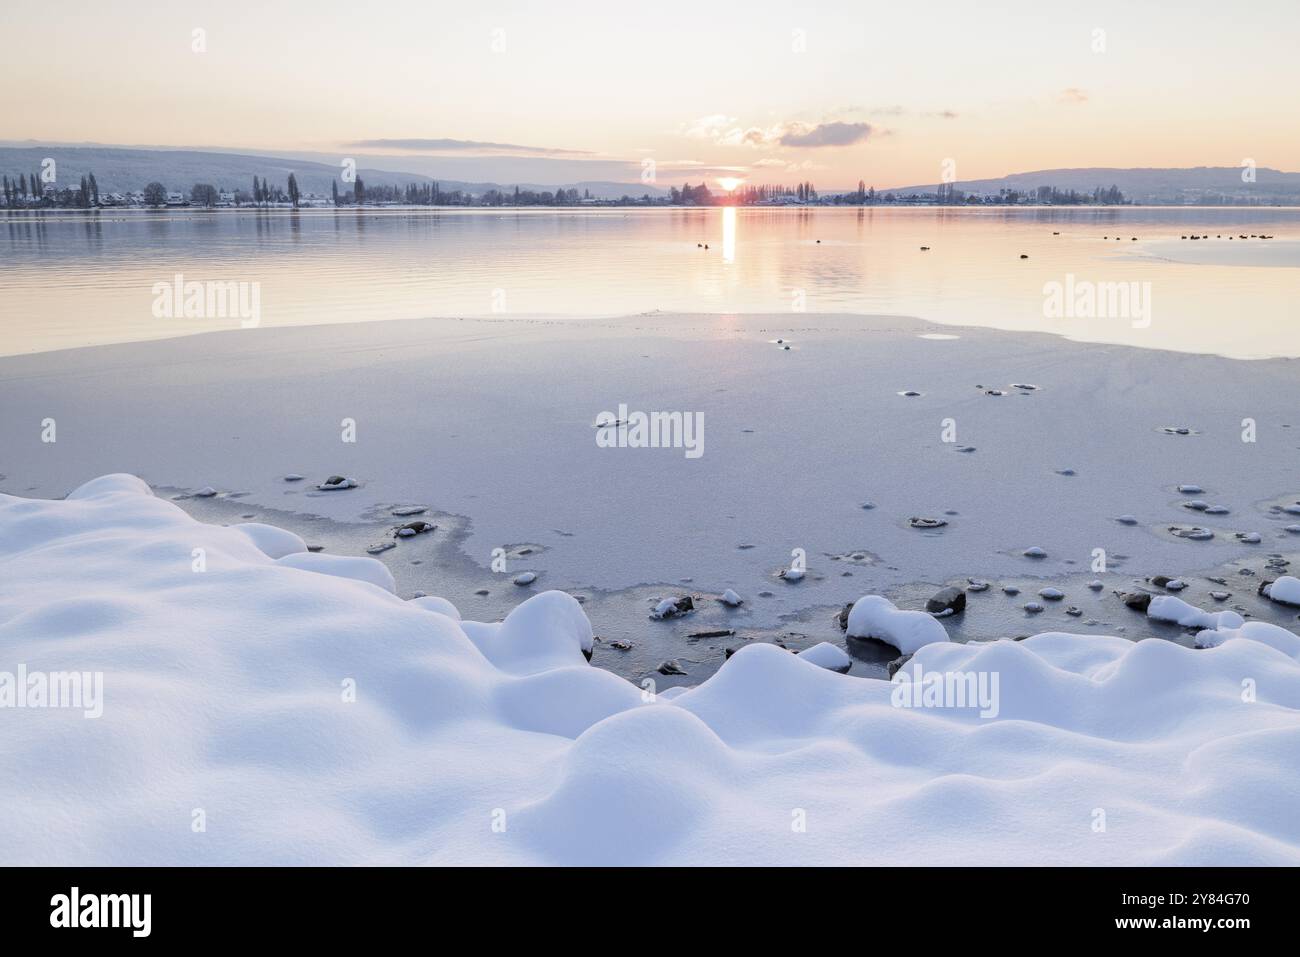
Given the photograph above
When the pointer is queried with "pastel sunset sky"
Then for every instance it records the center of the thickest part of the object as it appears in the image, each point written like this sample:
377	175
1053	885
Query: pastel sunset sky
768	91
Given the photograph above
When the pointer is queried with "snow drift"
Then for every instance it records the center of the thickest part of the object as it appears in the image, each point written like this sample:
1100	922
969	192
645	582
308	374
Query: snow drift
274	710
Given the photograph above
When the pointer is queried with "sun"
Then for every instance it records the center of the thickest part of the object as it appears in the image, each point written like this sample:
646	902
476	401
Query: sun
729	183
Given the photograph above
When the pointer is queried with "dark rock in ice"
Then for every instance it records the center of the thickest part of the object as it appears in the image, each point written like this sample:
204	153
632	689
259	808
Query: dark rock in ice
916	522
843	617
671	667
673	607
948	601
718	633
975	585
1137	600
896	664
411	529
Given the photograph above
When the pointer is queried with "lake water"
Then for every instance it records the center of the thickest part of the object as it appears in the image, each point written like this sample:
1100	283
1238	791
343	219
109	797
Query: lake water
81	279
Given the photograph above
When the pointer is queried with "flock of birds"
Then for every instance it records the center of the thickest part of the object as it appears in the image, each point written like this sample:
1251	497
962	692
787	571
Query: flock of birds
926	249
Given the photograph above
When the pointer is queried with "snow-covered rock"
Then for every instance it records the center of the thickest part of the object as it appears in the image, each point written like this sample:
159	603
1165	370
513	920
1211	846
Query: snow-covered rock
731	599
876	617
1285	590
1171	608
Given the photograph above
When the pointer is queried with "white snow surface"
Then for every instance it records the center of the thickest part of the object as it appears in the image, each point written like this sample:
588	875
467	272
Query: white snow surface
225	690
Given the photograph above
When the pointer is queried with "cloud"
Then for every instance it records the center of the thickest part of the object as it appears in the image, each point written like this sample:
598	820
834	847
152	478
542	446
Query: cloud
1073	94
825	134
463	146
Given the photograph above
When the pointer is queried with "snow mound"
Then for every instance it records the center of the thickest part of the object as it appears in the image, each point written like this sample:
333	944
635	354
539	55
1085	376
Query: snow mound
369	570
440	605
876	617
314	718
826	655
273	542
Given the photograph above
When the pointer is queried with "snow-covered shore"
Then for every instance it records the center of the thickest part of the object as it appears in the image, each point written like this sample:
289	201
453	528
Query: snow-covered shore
302	713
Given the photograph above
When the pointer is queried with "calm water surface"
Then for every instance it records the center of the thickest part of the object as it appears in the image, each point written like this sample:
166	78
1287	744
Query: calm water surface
86	278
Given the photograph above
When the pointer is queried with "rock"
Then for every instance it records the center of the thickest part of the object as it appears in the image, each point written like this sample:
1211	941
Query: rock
621	645
524	579
482	591
1190	489
406	510
948	601
335	482
378	547
1220	595
1033	607
843	617
896	664
206	492
1096	585
1196	505
868	505
792	574
411	529
1010	590
1127	520
1176	584
1065	472
916	522
1137	600
1195	533
1217	510
673	608
716	633
293	477
671	667
731	599
1250	538
1035	552
1073	612
1293	529
975	585
1051	594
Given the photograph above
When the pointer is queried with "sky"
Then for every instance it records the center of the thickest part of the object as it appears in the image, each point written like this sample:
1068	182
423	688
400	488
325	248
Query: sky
892	94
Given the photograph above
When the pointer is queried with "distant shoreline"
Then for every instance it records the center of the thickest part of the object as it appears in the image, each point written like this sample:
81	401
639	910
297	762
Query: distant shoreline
617	205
